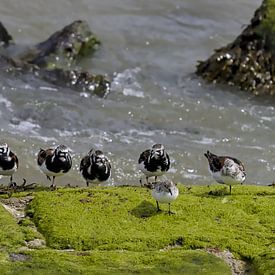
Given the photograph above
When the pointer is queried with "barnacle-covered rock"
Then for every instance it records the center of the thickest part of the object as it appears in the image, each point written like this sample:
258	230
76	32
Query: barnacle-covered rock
249	61
76	80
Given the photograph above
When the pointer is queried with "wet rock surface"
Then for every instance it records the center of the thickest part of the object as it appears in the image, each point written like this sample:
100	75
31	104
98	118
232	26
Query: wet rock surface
54	59
247	62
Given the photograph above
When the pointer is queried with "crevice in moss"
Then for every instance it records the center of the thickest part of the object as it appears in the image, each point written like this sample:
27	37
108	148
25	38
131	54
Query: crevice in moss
16	206
237	266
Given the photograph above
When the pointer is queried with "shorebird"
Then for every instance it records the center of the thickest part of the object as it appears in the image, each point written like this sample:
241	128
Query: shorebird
226	170
54	162
154	162
95	167
164	192
8	162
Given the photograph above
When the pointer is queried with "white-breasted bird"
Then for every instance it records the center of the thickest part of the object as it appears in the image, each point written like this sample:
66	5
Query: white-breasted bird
54	162
226	170
154	162
164	192
8	162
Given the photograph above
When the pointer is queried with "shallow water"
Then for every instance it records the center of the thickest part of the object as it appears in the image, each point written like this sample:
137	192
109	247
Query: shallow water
150	52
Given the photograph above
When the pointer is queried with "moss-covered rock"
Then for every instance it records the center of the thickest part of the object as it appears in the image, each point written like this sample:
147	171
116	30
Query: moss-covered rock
53	60
247	62
63	48
10	233
48	261
118	229
126	219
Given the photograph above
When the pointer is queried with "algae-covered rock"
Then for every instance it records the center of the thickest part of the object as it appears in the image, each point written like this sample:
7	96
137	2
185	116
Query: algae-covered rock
247	62
118	230
48	261
62	48
10	234
76	80
126	219
53	59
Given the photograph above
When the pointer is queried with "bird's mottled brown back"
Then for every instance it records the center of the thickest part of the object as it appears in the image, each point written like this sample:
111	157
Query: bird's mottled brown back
144	156
43	154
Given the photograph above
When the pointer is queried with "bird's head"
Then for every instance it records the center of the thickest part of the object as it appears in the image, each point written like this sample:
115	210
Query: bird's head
157	151
62	152
98	158
4	149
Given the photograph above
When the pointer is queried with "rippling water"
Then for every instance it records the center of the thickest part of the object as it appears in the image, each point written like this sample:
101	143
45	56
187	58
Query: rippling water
149	50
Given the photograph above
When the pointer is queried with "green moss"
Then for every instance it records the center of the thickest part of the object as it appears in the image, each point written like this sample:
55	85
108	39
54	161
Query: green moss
118	230
29	230
117	262
4	263
126	219
10	234
267	27
265	263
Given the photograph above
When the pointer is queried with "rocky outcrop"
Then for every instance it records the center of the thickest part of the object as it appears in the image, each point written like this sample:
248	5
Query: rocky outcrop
249	61
54	59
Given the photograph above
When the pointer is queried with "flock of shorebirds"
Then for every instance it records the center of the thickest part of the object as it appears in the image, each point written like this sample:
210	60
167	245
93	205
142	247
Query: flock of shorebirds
95	168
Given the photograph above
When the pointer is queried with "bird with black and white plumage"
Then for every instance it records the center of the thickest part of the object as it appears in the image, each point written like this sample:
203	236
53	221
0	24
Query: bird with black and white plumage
163	192
8	162
95	167
154	162
226	170
54	162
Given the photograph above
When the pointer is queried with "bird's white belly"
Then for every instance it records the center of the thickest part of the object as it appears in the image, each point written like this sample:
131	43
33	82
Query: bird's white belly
225	179
8	172
165	197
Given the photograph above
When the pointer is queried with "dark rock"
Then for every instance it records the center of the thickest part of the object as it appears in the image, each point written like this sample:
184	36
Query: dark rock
52	60
247	62
5	37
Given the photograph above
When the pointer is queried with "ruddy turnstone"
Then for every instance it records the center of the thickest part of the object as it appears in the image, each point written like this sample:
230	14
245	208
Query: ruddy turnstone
54	162
154	162
8	162
164	192
95	167
226	170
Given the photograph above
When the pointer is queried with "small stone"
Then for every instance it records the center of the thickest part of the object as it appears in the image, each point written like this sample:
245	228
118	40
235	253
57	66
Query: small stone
18	257
36	243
